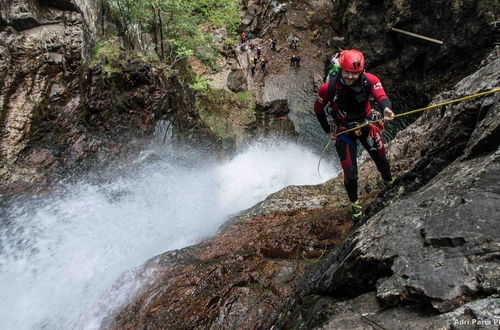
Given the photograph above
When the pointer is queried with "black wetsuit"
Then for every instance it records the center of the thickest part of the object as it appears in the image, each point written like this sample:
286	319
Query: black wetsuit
350	106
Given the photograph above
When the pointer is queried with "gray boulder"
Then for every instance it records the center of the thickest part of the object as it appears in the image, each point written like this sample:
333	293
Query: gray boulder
237	81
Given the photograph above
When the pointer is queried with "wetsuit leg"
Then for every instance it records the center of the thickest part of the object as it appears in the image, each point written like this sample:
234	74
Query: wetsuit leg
347	155
375	147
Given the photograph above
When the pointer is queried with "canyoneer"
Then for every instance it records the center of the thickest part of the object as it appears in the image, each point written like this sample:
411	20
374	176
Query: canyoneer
345	97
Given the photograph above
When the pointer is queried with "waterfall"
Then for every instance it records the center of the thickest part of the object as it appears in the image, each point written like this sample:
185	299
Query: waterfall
61	255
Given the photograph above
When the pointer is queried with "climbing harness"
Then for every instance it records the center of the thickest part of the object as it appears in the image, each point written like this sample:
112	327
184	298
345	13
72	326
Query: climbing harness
465	98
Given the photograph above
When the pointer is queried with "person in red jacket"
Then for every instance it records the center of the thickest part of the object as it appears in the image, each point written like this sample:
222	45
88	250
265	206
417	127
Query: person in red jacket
345	97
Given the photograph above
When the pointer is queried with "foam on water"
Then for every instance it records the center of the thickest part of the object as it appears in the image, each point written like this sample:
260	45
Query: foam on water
61	256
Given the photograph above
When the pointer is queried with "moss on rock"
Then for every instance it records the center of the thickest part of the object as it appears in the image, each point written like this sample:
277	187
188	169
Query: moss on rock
226	113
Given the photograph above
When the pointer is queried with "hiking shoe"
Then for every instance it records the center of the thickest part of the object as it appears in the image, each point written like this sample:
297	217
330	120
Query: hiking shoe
357	211
388	184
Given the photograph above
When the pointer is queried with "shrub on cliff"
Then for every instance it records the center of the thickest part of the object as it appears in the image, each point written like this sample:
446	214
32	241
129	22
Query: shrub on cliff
178	28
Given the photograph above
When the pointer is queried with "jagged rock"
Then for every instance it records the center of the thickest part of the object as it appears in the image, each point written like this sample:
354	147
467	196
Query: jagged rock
261	16
494	55
438	242
237	81
271	119
364	312
43	48
277	107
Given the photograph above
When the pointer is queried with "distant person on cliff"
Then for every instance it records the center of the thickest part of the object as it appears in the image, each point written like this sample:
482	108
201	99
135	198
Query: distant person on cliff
274	42
255	61
345	97
296	61
263	64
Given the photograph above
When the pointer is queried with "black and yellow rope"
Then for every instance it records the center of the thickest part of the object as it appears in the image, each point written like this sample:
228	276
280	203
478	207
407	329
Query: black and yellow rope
465	98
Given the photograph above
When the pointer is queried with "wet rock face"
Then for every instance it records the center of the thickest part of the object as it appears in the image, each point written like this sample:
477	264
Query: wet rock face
42	54
59	115
438	242
359	314
262	16
442	244
243	277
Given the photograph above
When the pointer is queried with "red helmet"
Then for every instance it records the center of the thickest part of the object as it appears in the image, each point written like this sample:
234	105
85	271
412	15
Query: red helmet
352	60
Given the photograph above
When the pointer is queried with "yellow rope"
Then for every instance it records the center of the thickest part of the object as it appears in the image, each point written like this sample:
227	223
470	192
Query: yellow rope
465	98
323	152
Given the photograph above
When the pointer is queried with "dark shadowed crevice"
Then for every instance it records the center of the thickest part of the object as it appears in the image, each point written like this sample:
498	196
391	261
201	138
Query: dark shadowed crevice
21	24
61	4
357	276
3	23
344	275
440	242
486	145
350	279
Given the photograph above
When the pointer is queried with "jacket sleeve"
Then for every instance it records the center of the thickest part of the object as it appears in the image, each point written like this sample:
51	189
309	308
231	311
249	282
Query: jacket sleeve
319	107
378	91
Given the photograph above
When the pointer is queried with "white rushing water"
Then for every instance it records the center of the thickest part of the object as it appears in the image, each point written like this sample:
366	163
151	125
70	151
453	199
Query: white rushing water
61	256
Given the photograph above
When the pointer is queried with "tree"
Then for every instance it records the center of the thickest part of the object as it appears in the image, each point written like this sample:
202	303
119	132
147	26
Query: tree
179	28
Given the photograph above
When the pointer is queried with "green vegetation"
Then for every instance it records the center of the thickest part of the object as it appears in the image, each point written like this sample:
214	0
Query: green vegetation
171	32
225	112
220	13
179	28
246	97
200	84
107	50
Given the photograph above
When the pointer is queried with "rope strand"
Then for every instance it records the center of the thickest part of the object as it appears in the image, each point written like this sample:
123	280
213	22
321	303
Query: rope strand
465	98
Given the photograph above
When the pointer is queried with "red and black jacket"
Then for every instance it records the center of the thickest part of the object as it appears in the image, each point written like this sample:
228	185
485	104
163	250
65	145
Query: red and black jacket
349	104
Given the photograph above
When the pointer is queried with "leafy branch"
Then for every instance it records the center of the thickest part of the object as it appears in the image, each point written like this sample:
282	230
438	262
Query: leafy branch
178	28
